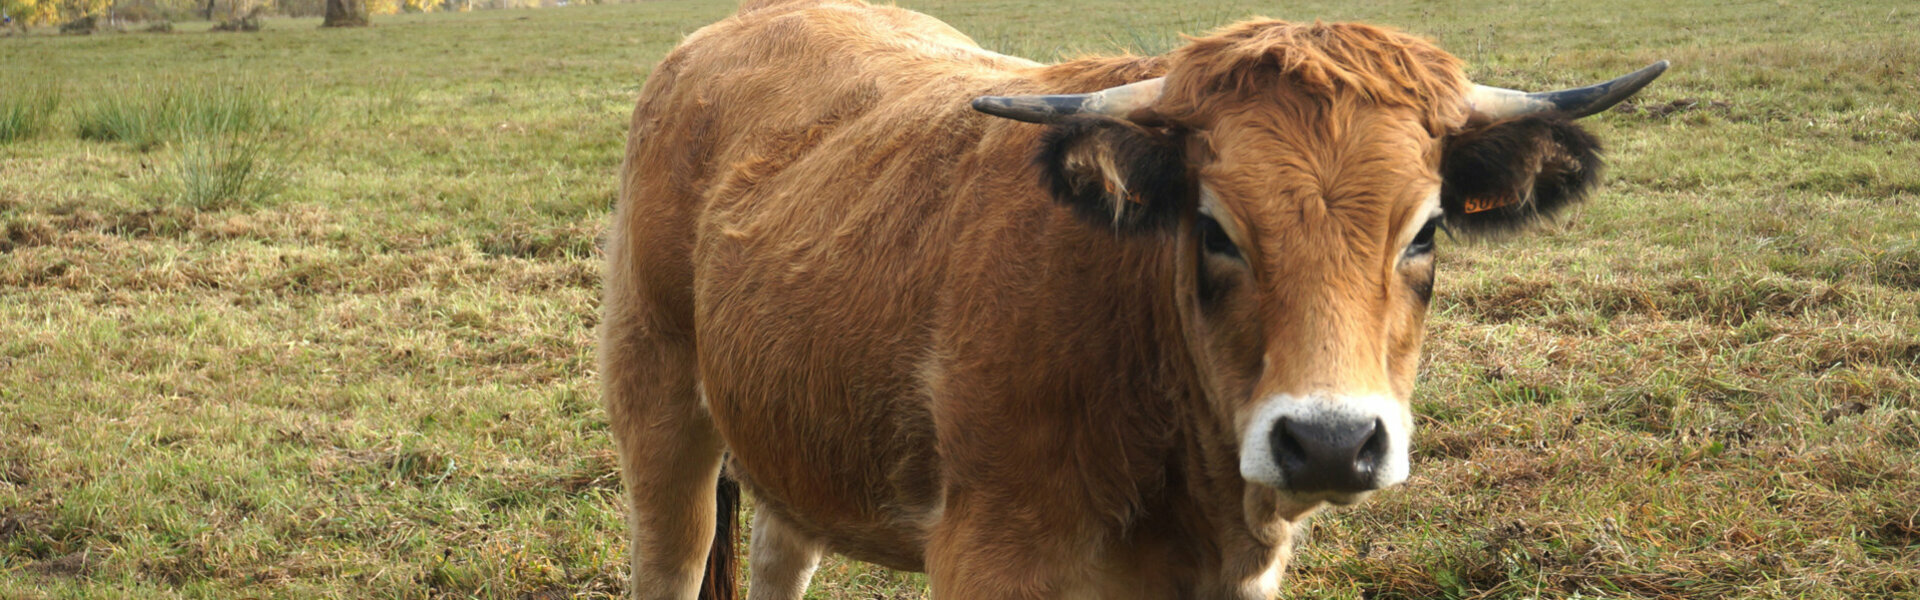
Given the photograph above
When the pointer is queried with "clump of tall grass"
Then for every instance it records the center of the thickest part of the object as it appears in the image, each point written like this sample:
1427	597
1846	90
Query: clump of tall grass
25	110
147	114
220	172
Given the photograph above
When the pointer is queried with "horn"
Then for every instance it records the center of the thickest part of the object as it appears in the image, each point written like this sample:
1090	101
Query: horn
1118	102
1500	103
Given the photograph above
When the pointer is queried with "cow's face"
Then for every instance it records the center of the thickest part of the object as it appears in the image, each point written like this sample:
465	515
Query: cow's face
1311	246
1304	173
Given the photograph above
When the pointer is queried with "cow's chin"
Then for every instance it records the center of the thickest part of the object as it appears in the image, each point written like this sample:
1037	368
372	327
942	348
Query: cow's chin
1268	508
1297	501
1337	498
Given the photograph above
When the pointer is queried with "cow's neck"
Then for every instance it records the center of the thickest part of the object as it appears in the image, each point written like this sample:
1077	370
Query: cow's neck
1238	535
1243	533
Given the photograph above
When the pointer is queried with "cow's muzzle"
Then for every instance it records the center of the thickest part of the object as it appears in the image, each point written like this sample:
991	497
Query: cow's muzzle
1335	455
1326	447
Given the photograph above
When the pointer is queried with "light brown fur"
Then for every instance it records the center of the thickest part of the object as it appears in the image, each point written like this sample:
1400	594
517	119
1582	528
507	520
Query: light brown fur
915	358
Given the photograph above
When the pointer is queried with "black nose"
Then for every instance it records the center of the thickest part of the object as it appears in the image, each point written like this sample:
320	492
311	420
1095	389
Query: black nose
1329	456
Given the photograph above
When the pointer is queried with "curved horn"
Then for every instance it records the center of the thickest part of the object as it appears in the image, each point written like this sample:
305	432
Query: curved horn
1118	102
1500	103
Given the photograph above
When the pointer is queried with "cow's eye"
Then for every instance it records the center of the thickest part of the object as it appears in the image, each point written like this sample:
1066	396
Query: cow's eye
1214	238
1423	241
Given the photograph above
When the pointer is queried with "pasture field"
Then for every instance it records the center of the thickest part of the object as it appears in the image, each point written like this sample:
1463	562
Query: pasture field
309	313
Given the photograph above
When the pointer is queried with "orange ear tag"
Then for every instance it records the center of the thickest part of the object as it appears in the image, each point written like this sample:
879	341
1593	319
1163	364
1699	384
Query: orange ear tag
1474	205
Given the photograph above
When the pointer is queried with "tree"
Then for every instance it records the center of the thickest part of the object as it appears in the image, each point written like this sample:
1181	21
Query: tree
41	12
346	13
389	7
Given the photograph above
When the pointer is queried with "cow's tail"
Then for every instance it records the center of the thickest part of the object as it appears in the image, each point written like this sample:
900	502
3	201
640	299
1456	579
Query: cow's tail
723	568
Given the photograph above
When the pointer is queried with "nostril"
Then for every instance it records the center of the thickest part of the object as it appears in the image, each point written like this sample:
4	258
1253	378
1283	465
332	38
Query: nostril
1374	450
1286	446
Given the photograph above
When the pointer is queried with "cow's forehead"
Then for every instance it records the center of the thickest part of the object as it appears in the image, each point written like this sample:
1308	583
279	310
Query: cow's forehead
1340	155
1301	188
1334	63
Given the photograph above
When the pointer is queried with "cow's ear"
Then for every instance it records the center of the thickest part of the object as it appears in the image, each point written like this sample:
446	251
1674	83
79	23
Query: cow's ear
1506	175
1115	173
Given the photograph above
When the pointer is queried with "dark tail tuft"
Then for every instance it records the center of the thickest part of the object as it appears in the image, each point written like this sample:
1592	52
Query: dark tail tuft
723	568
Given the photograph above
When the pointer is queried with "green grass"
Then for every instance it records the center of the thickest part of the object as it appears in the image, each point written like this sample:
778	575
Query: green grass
222	173
26	108
148	113
375	378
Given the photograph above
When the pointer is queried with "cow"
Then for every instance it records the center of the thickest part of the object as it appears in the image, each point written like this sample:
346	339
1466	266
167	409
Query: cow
1112	327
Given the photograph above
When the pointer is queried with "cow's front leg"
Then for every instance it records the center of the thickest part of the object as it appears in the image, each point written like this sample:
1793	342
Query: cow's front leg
988	551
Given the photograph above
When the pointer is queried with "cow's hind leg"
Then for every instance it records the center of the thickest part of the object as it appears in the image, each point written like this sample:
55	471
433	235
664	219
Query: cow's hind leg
670	452
781	558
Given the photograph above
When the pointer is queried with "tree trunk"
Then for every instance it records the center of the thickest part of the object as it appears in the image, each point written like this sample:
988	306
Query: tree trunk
346	13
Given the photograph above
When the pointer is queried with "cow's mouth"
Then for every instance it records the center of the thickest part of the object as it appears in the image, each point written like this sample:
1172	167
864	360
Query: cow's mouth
1346	499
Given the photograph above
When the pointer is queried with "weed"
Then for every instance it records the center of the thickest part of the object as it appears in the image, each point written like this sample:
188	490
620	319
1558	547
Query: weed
26	109
147	113
224	172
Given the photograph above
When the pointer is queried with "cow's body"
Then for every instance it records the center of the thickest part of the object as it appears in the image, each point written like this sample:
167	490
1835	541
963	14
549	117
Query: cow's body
884	307
828	266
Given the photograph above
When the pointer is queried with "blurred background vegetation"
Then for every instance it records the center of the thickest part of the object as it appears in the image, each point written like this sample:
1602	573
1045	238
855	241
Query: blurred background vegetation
124	14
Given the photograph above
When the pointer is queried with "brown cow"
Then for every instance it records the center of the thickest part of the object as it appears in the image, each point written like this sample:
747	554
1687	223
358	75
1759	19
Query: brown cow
1118	355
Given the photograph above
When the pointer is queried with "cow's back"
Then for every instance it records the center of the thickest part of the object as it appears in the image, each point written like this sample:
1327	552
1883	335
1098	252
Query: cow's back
795	180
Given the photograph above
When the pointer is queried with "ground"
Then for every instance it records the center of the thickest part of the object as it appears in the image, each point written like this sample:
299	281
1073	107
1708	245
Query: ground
309	313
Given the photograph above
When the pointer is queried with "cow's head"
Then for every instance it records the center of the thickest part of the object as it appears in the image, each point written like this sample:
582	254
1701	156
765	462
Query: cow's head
1300	173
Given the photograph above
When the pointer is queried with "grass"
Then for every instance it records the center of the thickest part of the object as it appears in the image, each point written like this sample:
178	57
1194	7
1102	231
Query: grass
25	109
377	380
146	114
224	135
222	173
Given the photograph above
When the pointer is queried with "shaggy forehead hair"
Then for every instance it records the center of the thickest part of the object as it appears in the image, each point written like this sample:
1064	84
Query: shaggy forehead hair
1252	59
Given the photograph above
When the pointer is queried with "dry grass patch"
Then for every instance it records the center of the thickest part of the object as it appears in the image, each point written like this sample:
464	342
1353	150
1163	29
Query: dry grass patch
376	381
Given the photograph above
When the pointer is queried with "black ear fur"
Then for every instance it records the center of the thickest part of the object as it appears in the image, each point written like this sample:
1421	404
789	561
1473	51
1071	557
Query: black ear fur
1510	174
1114	173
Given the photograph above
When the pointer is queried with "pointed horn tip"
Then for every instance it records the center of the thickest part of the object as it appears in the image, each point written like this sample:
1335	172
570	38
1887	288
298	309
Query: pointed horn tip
1121	102
1628	86
1650	72
1574	103
1008	107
